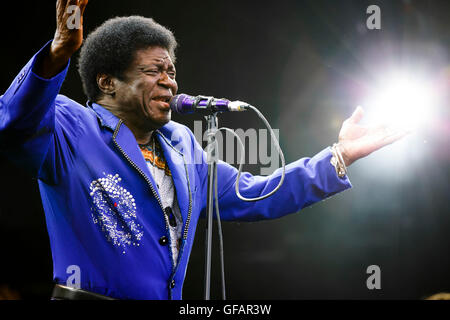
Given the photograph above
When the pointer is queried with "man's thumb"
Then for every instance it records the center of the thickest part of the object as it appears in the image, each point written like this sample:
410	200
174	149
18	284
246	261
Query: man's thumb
357	115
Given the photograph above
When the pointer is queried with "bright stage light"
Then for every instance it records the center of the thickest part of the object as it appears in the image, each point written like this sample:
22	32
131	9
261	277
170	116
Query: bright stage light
407	102
402	102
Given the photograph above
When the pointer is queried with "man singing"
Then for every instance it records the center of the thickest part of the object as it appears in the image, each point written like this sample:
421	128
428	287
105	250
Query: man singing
122	196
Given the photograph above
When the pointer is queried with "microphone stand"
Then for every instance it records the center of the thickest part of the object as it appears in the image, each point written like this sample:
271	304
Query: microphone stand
212	126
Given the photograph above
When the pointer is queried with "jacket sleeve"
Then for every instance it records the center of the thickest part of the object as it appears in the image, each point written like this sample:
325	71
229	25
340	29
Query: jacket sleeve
27	115
307	181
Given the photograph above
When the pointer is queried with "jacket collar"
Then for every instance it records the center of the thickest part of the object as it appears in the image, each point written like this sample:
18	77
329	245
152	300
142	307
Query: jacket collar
107	119
128	145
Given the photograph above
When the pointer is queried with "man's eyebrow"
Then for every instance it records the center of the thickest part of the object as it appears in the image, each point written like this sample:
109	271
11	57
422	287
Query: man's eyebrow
157	63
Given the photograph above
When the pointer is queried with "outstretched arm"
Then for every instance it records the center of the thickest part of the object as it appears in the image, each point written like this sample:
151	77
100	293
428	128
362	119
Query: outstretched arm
307	181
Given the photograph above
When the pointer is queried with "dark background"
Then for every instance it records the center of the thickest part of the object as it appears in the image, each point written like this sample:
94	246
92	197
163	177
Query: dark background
306	65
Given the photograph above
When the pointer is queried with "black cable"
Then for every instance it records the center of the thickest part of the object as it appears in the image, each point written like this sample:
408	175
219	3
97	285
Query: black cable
219	227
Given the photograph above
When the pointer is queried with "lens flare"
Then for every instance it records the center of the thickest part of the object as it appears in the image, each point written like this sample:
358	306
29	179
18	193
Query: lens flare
402	102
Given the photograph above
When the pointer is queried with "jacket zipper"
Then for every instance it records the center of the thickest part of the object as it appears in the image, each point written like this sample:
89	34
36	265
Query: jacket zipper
166	219
141	173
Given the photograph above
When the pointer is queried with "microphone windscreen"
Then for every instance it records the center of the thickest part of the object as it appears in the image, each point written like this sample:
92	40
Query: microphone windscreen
177	102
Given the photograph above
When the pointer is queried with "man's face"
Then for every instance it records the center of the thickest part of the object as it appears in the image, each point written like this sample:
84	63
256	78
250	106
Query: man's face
148	85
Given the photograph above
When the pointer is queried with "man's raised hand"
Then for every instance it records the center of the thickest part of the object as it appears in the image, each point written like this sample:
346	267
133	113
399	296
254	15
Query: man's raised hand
68	37
69	27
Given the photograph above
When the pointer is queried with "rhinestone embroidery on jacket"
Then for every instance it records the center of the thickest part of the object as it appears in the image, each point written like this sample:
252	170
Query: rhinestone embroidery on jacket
114	210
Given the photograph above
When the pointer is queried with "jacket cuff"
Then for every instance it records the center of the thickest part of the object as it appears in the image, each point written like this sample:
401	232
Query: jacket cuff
329	175
59	78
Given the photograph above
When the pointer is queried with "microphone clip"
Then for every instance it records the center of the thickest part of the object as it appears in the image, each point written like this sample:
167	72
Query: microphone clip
208	106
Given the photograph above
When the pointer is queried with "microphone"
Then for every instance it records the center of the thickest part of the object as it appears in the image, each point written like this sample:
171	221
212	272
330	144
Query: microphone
185	104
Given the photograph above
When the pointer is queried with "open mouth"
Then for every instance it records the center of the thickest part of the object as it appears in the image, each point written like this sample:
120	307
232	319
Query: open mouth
165	99
163	102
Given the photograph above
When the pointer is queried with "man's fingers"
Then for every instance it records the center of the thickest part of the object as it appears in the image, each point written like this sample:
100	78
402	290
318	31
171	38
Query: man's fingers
79	3
72	2
357	115
61	3
392	136
60	8
83	4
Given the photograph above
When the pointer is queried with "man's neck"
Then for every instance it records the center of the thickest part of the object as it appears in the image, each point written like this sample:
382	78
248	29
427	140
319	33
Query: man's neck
143	139
142	136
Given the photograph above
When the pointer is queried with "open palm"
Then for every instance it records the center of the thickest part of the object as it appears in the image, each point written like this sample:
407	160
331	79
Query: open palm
357	141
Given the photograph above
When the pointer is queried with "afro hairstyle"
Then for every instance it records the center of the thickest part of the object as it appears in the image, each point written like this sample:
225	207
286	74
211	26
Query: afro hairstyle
111	48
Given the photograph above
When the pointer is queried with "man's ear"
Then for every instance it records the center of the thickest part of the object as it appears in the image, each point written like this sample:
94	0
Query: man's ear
106	84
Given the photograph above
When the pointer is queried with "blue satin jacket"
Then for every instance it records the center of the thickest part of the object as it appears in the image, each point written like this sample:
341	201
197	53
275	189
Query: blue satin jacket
102	209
